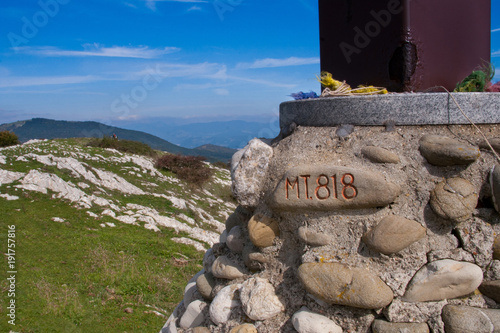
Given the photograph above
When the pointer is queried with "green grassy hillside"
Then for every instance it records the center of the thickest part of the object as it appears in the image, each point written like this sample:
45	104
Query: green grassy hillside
100	237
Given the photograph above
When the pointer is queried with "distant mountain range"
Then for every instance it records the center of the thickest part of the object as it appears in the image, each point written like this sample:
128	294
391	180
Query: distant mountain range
41	128
228	133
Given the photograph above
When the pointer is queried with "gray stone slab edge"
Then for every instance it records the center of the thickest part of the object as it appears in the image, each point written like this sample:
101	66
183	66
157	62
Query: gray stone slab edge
403	109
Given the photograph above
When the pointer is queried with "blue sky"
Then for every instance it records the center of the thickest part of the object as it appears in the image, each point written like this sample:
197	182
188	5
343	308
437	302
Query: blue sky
113	60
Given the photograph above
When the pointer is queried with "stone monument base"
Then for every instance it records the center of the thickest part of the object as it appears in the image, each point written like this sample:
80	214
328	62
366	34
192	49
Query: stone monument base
348	228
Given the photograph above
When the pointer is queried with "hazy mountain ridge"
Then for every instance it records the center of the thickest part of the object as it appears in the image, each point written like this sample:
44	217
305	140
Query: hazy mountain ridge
41	128
232	133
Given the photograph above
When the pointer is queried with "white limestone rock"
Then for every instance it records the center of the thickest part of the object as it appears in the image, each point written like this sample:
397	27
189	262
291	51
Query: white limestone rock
7	177
248	172
194	314
259	299
306	321
226	301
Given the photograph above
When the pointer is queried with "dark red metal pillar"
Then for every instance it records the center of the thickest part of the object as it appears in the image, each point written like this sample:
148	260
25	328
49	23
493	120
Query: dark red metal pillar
404	45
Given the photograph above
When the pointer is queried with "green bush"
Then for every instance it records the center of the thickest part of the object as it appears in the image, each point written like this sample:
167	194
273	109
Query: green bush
125	146
188	168
223	165
8	138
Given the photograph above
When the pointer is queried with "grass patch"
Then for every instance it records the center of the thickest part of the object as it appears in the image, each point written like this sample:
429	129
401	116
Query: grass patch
79	277
161	205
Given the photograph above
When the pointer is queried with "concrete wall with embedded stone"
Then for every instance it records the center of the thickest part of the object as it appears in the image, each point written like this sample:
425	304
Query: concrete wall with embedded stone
356	229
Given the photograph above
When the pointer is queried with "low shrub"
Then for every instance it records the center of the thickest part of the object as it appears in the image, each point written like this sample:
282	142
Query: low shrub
8	138
223	165
188	168
125	146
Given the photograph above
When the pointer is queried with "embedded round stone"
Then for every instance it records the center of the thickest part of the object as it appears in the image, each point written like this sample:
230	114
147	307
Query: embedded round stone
263	230
313	238
190	293
205	284
454	199
459	319
339	284
245	328
306	321
234	240
495	186
491	289
443	151
259	299
194	314
224	304
393	234
224	268
327	187
494	142
443	279
208	260
239	217
382	326
379	155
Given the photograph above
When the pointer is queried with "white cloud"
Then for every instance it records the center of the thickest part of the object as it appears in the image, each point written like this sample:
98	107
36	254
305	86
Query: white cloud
204	75
495	30
211	71
197	8
272	62
128	4
264	82
95	50
495	54
27	81
164	70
